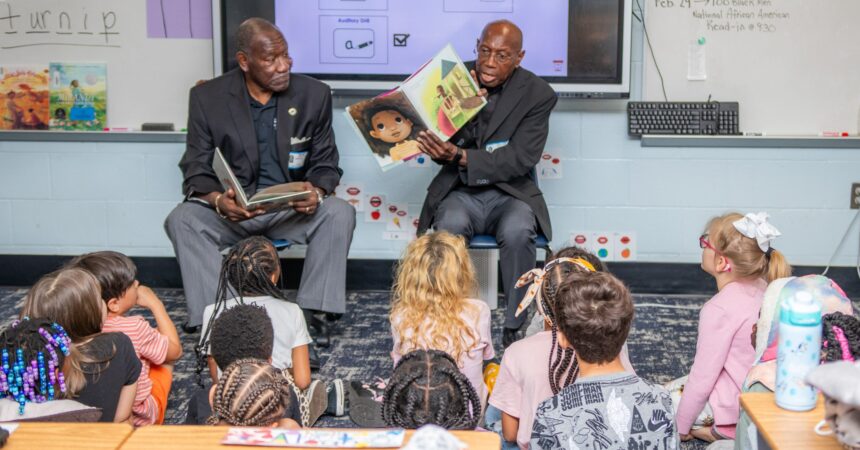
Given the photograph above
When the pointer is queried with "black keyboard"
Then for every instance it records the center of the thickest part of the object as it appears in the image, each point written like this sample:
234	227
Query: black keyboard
686	118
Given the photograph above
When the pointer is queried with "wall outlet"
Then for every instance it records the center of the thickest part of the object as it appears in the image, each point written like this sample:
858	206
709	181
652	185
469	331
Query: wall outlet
855	196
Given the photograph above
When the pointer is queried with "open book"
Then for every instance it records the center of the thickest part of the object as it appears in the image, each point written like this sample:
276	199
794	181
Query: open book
441	97
272	196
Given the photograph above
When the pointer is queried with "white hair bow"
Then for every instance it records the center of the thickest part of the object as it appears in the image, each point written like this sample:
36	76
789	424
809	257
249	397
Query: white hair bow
755	226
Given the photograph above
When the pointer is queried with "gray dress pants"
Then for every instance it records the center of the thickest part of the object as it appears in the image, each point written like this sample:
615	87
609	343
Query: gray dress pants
510	220
199	235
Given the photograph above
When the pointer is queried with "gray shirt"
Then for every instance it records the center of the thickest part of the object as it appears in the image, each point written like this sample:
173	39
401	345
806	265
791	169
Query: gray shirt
615	411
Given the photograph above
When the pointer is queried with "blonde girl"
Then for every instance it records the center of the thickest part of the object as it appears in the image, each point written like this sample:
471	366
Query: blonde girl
737	251
432	308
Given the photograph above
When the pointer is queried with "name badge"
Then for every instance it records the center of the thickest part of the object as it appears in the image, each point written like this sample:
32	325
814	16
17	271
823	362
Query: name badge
492	146
297	159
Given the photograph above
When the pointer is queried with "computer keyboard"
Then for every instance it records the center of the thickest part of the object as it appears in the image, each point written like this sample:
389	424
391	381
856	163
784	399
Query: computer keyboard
686	118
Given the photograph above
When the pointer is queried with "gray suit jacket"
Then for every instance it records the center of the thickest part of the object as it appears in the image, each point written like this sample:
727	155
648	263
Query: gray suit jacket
518	129
219	115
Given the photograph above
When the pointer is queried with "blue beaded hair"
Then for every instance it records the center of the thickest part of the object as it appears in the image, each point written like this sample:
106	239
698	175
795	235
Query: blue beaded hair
32	353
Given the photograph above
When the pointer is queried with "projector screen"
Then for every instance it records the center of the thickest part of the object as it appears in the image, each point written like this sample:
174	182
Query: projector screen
581	47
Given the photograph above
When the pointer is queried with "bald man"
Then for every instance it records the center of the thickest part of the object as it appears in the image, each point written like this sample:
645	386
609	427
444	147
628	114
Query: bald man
273	127
487	181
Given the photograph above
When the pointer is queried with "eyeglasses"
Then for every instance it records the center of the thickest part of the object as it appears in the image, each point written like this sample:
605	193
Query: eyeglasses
704	243
501	57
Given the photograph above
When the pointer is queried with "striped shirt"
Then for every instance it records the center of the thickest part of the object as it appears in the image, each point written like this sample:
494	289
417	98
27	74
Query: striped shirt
151	348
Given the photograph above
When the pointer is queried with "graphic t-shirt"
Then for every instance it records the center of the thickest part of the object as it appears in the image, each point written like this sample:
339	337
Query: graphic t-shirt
612	411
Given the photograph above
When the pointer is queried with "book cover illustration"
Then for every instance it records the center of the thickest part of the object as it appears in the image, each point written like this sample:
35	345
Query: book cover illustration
441	97
25	97
315	438
78	96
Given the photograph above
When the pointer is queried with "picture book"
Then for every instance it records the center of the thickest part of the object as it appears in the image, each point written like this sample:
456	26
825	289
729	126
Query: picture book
78	96
25	97
268	198
440	97
315	438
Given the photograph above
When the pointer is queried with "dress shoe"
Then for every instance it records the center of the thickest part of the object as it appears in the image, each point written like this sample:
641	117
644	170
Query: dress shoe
190	329
321	330
313	357
509	336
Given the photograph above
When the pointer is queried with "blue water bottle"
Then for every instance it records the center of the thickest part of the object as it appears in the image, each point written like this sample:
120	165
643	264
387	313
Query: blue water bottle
798	351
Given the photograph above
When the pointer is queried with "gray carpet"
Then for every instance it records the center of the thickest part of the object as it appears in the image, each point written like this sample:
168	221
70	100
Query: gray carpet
662	341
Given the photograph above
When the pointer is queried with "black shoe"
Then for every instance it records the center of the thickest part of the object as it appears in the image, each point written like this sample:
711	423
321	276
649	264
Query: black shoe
509	336
190	329
338	401
313	357
321	330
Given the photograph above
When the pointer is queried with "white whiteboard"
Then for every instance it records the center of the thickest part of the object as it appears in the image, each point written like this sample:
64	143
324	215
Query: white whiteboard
794	65
147	79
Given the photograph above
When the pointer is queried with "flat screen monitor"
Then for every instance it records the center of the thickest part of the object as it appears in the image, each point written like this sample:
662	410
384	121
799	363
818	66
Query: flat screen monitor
581	47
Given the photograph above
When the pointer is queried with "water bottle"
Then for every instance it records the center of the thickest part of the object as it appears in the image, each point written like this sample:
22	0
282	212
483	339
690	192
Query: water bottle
798	351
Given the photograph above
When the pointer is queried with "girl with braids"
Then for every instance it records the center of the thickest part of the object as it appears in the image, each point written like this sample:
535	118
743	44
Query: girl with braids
428	388
249	274
251	393
537	367
737	251
432	309
101	369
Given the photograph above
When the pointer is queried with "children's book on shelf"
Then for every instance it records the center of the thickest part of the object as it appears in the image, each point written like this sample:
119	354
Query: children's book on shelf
440	97
268	198
25	97
78	96
315	438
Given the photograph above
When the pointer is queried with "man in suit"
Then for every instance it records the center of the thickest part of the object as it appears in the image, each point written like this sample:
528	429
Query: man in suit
486	184
272	127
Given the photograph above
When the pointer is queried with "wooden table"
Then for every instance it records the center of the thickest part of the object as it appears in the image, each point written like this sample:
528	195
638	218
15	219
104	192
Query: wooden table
200	437
782	429
68	436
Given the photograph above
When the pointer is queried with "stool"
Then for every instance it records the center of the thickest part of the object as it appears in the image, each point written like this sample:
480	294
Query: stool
484	251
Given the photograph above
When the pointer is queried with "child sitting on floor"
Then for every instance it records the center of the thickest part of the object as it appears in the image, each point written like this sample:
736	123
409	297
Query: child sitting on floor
432	309
607	406
737	252
245	331
157	348
537	367
103	368
37	350
251	393
427	388
252	268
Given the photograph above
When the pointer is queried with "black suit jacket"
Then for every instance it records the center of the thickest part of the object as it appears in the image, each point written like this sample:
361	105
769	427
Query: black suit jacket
219	115
520	118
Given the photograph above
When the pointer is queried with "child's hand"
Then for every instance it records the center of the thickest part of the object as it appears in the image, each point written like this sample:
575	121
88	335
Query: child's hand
146	298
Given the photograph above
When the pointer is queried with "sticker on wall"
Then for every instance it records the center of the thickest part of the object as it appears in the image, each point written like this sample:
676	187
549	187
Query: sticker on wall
581	239
602	245
396	217
421	160
374	208
352	193
549	167
625	246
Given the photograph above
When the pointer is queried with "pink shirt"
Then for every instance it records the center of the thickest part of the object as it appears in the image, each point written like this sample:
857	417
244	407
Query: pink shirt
523	381
151	348
472	362
724	355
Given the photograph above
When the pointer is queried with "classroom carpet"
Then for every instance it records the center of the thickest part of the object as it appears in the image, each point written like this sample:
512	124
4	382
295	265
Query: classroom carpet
662	341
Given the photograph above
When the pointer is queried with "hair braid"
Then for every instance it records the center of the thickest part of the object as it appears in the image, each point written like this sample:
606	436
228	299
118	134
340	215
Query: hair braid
427	387
250	393
850	327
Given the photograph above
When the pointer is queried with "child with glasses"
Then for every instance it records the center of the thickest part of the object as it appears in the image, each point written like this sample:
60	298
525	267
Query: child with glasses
737	252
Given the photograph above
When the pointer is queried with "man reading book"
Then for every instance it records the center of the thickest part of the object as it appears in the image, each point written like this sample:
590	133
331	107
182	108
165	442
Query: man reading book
272	127
486	184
